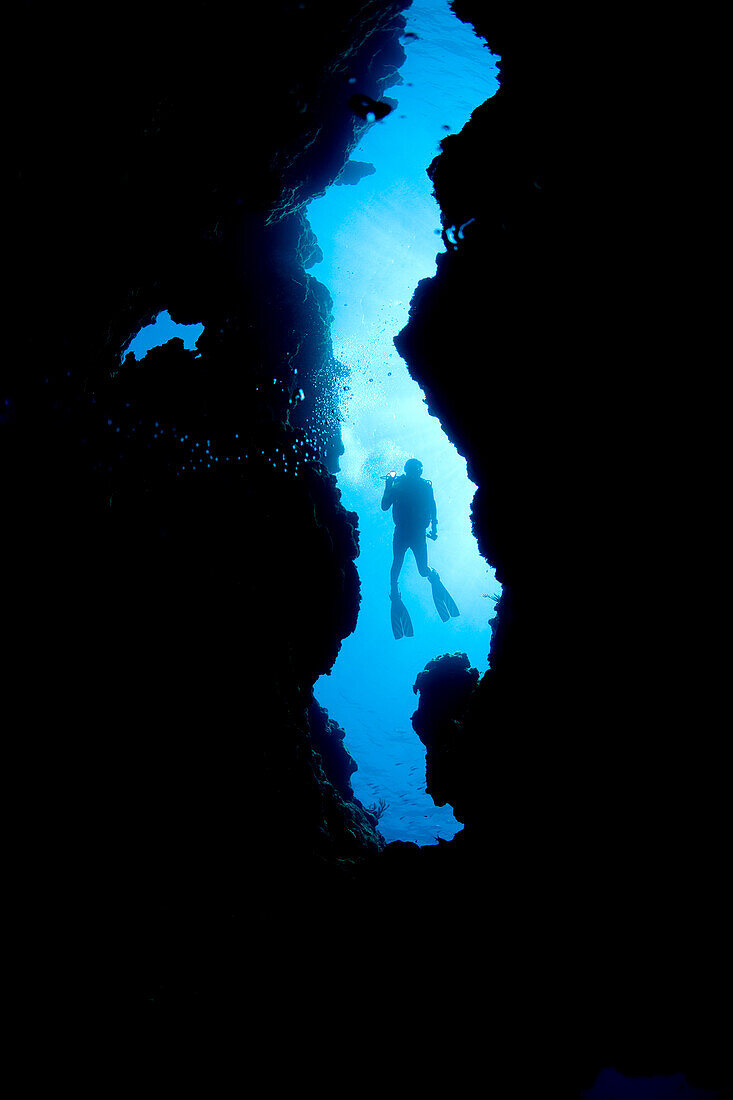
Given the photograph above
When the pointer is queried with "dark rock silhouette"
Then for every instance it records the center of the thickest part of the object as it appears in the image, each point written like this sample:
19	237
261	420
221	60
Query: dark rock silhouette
594	759
445	688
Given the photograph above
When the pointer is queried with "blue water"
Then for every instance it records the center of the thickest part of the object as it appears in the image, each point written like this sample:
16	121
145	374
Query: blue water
162	329
379	238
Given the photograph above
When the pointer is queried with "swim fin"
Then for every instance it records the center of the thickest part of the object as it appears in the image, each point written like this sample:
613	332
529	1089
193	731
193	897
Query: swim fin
401	621
445	605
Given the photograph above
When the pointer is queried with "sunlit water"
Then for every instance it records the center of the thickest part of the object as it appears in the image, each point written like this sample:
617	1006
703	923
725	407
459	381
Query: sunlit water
379	239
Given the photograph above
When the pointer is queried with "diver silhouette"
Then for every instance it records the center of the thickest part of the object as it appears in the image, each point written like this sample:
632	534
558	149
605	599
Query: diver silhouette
411	498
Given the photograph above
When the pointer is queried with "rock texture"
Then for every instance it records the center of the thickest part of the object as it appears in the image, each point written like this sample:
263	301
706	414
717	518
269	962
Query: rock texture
182	567
445	688
546	345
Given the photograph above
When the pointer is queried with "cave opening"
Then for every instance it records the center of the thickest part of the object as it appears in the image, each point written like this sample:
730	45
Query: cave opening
379	232
159	332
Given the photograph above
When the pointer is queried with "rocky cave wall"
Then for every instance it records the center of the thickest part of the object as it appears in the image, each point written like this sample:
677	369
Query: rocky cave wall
163	631
585	763
165	624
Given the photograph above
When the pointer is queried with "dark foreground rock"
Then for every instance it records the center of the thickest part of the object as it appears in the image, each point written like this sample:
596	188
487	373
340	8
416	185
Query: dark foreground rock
547	344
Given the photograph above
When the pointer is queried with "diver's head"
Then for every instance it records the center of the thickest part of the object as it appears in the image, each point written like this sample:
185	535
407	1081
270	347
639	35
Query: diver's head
413	467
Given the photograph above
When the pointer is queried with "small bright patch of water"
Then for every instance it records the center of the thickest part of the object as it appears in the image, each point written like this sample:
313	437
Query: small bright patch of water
163	329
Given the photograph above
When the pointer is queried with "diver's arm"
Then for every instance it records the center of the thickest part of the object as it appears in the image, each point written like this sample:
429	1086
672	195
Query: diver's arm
388	497
433	517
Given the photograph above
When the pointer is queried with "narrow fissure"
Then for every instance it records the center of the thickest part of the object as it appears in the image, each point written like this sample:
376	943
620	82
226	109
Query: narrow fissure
378	229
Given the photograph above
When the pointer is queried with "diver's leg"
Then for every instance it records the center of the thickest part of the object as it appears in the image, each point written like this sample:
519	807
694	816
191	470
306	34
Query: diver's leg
444	602
420	550
399	549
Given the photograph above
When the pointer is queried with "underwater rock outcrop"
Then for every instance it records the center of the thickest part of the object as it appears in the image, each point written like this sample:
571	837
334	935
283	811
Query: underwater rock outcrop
328	739
182	567
445	688
531	343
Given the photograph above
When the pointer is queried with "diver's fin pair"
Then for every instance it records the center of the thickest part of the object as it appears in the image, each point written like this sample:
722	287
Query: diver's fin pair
445	605
401	621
